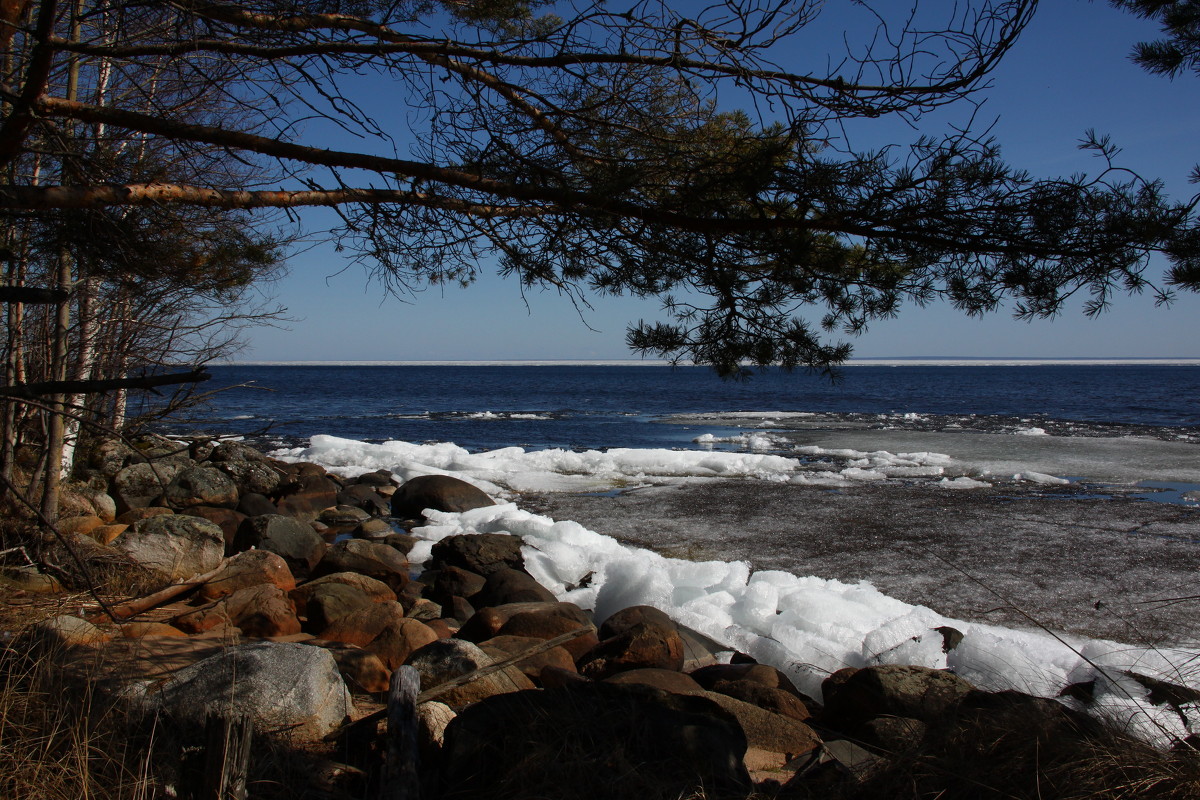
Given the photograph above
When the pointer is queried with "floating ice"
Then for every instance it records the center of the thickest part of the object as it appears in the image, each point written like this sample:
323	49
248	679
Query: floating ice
1031	431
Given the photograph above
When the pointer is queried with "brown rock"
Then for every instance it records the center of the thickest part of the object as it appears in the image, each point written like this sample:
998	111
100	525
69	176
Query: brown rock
893	690
360	668
106	533
507	585
440	492
144	630
481	553
444	659
366	558
665	679
259	611
451	581
377	591
226	519
82	525
766	697
640	645
332	601
537	620
444	629
767	731
308	495
382	629
502	647
250	568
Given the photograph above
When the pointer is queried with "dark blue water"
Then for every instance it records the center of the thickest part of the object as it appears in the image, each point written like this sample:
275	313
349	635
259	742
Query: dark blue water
616	406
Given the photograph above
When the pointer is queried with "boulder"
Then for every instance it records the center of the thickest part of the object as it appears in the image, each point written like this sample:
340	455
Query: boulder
505	585
481	553
595	741
259	611
175	546
299	545
639	646
762	674
360	668
538	620
893	690
366	498
768	731
343	516
252	477
330	602
58	633
445	659
380	477
235	451
382	629
439	492
377	591
502	647
432	720
250	568
307	495
289	689
667	680
375	528
141	485
200	486
109	456
227	519
366	558
775	700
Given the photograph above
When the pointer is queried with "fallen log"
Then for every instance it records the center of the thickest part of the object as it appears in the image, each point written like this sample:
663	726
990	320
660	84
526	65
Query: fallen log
131	608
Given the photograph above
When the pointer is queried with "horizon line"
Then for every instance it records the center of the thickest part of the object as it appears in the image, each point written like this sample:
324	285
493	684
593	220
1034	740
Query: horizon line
635	362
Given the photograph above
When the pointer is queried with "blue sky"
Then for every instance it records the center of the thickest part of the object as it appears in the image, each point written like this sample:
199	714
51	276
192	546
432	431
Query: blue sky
1069	73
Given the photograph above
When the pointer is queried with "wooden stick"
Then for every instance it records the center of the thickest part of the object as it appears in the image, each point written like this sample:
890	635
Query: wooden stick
226	754
474	675
132	608
401	777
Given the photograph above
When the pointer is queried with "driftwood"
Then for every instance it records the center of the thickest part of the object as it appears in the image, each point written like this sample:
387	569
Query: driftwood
401	774
474	675
134	607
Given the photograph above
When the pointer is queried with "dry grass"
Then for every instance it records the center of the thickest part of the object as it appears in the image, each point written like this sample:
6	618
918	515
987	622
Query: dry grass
60	742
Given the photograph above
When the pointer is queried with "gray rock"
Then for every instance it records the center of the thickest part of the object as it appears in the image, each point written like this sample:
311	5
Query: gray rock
444	659
201	486
176	546
894	690
300	546
235	451
140	485
288	689
252	477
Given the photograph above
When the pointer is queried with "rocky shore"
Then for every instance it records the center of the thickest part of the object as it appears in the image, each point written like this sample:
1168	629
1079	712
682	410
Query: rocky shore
290	597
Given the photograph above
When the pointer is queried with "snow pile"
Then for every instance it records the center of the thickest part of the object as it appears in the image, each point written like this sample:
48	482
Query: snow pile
809	626
746	441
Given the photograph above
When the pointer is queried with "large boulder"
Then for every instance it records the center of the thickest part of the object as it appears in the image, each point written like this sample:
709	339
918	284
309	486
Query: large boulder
201	486
439	492
291	689
481	553
503	647
595	741
330	602
177	547
299	545
228	519
252	477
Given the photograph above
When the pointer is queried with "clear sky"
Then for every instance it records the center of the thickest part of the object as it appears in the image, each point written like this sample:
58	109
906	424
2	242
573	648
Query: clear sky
1070	72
